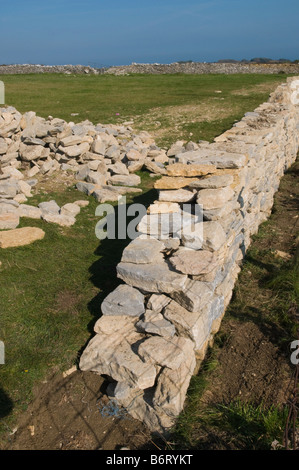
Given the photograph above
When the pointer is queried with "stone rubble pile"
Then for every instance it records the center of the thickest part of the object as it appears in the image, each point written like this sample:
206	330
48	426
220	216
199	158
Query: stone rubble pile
102	158
180	271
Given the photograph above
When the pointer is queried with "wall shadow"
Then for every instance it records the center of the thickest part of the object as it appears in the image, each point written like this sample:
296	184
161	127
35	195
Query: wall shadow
6	404
103	271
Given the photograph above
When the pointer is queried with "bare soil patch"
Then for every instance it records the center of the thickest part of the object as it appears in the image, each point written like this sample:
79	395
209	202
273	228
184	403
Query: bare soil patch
71	413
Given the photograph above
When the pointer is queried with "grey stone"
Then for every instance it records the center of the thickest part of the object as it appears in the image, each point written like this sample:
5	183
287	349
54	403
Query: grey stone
214	198
46	167
113	355
70	209
32	152
86	188
127	180
142	251
172	386
193	325
59	219
176	195
166	224
33	141
224	211
118	168
49	207
124	300
194	296
9	220
8	189
122	189
157	302
98	146
24	188
169	352
212	182
31	212
176	148
193	262
155	323
111	324
5	208
96	177
70	140
104	195
158	278
213	157
3	147
205	236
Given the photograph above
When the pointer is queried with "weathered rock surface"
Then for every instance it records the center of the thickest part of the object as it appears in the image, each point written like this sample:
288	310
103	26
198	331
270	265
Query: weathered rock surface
214	198
168	182
157	277
193	262
155	323
142	251
113	355
20	237
32	212
60	219
181	169
169	352
176	195
124	300
212	182
9	220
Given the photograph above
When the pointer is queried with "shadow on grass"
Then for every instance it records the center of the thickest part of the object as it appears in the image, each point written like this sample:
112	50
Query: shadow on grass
276	296
6	404
103	271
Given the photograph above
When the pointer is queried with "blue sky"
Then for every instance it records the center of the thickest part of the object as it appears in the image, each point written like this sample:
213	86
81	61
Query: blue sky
94	32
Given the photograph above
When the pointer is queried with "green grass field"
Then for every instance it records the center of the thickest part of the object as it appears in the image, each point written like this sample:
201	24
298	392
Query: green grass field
170	105
51	291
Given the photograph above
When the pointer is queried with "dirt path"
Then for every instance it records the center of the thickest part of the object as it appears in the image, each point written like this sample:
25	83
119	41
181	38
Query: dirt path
73	412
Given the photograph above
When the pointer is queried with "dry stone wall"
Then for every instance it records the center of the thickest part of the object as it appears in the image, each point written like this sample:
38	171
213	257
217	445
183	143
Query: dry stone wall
178	274
40	69
204	68
175	67
178	279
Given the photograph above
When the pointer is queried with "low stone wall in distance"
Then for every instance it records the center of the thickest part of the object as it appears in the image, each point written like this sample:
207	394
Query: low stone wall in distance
175	67
204	68
177	283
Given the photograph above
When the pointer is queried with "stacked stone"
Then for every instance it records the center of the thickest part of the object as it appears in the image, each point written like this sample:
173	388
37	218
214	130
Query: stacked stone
103	159
203	68
180	271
